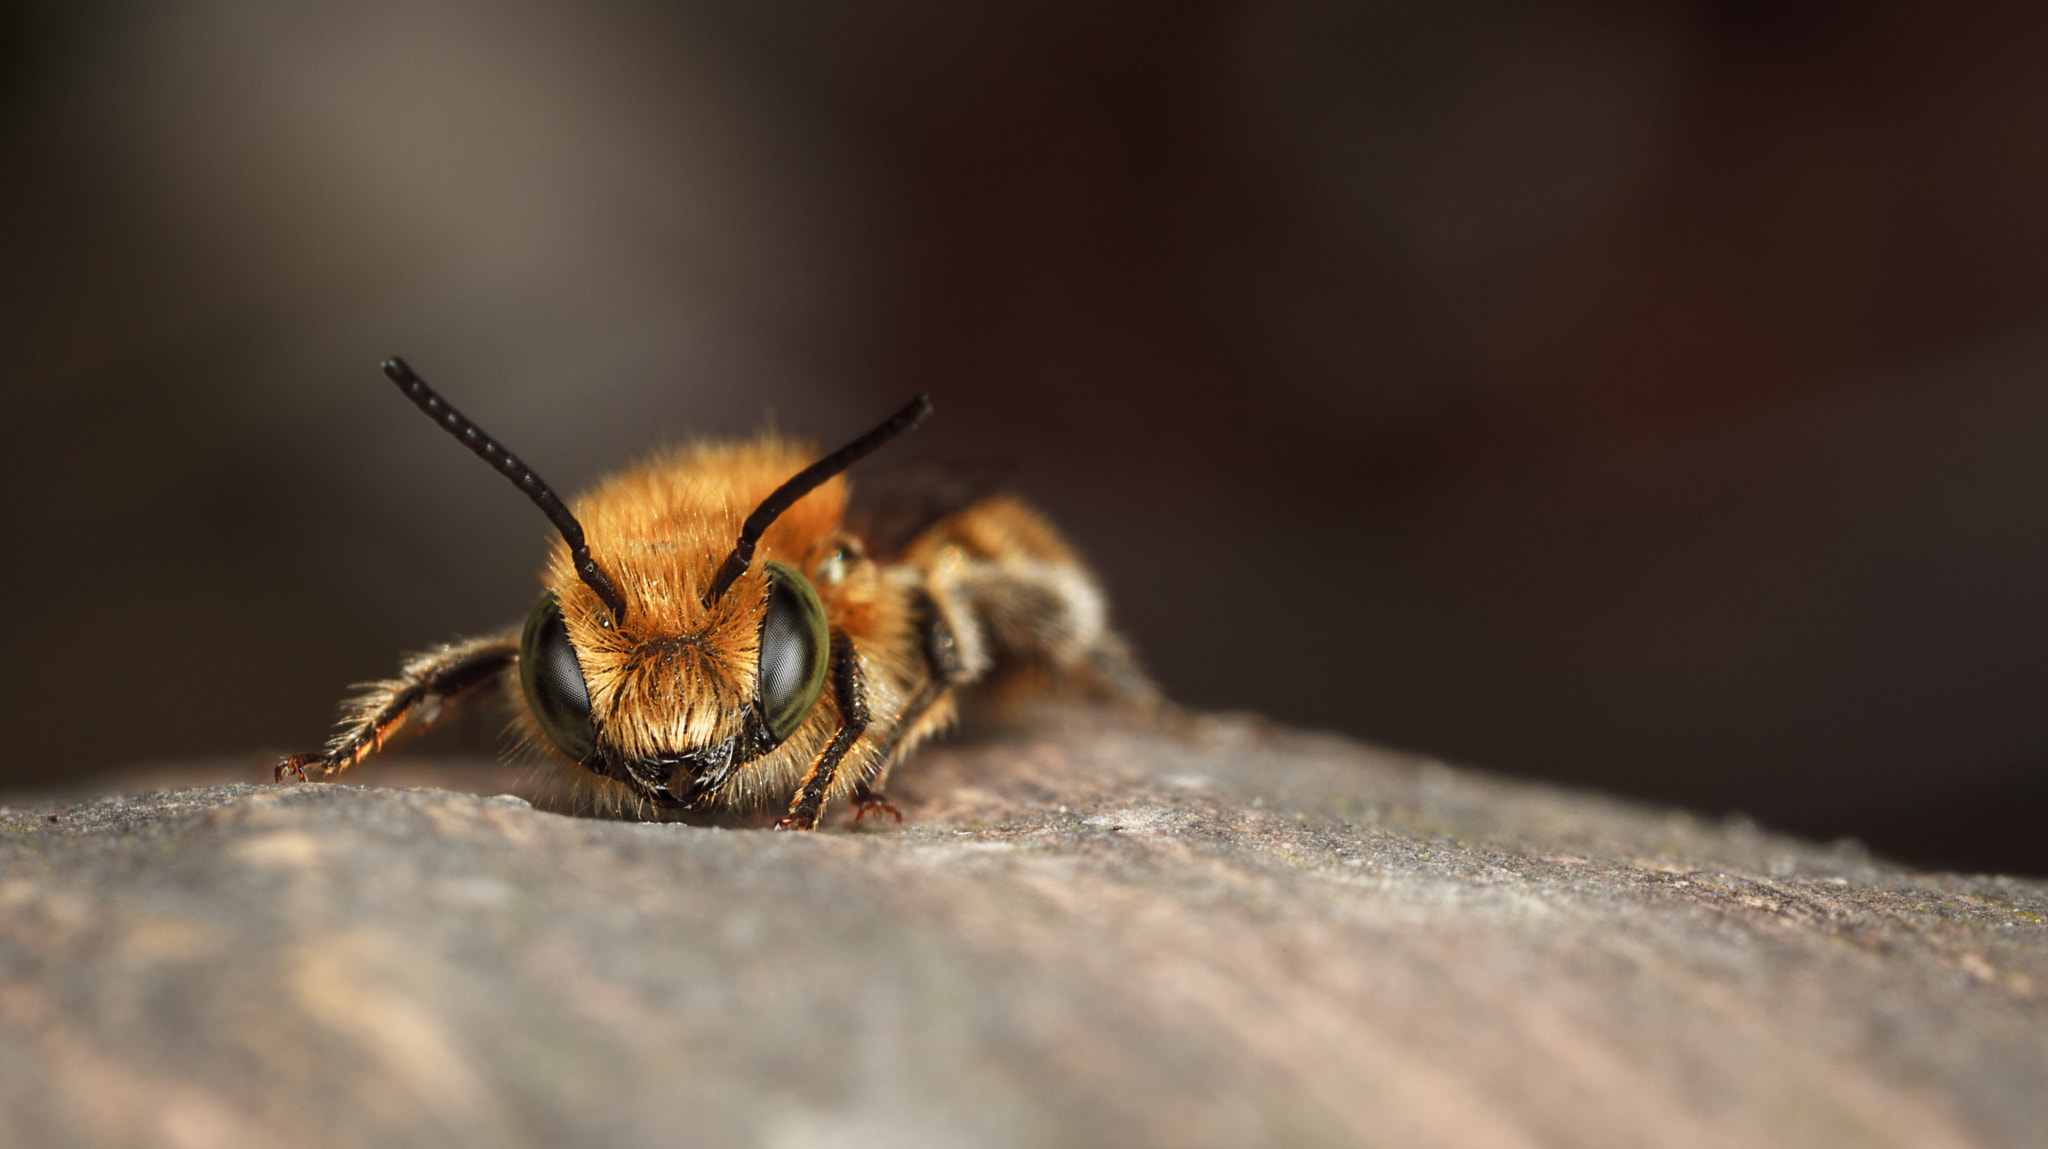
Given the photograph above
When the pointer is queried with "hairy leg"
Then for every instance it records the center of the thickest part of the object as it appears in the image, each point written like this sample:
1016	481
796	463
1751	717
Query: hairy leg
1019	598
425	684
943	668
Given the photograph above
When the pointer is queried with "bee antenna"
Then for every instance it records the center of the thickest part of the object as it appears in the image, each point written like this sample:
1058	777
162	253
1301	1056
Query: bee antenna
804	482
522	476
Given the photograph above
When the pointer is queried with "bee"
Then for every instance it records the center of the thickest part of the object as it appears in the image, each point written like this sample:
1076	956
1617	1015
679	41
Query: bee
733	627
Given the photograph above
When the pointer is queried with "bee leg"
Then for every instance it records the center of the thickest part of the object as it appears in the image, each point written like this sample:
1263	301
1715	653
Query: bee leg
944	667
866	801
867	797
426	681
1047	613
851	692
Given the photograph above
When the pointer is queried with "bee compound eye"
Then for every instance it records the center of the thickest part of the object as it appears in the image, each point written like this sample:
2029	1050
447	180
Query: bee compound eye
795	647
552	680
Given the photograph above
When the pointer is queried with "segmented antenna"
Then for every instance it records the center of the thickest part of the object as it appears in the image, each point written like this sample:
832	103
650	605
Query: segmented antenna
522	476
806	481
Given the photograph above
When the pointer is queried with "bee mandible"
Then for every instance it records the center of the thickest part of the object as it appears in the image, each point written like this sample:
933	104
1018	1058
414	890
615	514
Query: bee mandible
731	627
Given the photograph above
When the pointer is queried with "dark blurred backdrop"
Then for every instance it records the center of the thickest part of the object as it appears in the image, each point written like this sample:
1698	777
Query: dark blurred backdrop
1645	396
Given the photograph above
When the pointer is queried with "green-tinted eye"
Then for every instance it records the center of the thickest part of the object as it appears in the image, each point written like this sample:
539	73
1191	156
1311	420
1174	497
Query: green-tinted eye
795	647
553	681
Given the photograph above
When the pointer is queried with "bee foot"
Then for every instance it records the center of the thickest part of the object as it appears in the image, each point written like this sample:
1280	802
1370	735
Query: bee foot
865	803
796	822
296	766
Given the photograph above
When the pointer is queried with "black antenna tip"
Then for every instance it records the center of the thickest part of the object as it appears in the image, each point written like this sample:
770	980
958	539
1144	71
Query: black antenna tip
911	414
397	370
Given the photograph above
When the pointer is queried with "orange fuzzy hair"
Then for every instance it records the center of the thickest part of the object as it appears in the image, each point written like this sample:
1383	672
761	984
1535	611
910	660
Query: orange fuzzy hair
660	530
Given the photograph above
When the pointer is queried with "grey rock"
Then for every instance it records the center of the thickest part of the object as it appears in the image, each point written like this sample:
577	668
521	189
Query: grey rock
1087	932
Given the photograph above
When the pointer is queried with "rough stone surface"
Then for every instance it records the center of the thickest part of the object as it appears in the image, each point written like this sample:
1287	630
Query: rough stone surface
1086	933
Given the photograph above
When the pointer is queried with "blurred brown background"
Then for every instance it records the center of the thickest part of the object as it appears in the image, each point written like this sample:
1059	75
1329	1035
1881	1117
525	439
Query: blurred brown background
1647	396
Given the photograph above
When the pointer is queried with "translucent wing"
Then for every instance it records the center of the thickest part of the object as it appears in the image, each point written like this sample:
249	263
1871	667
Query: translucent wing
890	505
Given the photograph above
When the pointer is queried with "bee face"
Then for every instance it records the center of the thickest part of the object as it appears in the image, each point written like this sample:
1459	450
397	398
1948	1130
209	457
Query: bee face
669	684
679	696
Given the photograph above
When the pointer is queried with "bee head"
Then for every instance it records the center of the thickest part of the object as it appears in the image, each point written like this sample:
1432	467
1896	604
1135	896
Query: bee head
689	687
721	650
667	667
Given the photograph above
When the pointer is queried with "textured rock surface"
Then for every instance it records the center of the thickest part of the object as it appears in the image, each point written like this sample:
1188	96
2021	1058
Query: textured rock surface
1086	933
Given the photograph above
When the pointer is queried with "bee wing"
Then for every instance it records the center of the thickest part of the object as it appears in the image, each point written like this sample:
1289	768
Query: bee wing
890	505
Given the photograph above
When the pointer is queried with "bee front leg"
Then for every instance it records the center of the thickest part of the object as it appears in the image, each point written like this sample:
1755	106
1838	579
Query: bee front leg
851	692
426	681
944	669
867	797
